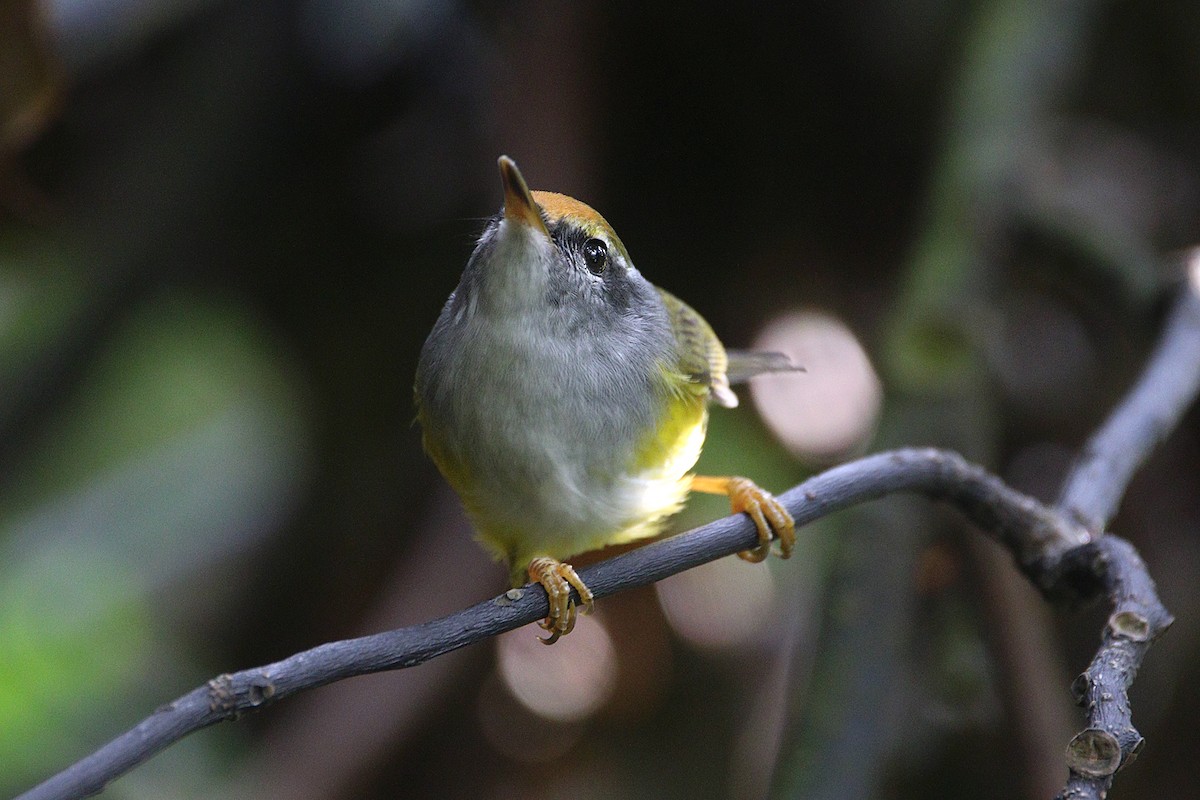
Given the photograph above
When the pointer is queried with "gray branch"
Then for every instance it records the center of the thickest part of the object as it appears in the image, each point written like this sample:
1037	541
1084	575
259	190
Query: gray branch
1144	418
1062	550
1091	494
1038	536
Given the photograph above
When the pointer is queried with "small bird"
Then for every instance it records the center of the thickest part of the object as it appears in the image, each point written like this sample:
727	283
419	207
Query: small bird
564	397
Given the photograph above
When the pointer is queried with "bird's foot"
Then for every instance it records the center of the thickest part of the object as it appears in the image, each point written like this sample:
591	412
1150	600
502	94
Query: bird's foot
558	579
769	515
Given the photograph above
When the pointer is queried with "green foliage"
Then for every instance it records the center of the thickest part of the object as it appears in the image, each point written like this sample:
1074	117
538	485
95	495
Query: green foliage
179	445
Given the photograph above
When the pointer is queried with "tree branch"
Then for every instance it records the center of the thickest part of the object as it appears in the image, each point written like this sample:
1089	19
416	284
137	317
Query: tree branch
1091	495
1054	547
1038	536
1150	411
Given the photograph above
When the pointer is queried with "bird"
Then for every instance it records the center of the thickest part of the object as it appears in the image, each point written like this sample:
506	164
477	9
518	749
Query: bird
565	398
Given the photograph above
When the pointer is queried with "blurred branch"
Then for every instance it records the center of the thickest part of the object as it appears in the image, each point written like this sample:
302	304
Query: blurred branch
1022	639
1021	57
31	80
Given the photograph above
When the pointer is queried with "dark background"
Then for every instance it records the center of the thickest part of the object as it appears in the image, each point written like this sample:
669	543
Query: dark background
226	227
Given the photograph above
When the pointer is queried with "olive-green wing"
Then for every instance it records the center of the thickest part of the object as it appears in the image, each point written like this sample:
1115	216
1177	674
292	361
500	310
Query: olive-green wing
701	355
706	362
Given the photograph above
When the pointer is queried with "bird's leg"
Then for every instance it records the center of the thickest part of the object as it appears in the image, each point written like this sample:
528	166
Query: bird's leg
557	579
769	515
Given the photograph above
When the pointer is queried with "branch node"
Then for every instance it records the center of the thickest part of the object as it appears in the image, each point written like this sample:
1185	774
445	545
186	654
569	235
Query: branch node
1094	753
1080	688
1133	751
509	597
222	698
260	691
1129	625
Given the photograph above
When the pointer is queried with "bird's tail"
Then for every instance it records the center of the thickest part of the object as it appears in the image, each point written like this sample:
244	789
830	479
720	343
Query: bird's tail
745	364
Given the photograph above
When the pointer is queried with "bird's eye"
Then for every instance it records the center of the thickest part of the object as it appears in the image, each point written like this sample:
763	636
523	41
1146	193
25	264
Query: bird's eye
595	255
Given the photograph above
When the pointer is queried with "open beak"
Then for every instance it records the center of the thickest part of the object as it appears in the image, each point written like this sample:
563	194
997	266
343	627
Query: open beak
519	205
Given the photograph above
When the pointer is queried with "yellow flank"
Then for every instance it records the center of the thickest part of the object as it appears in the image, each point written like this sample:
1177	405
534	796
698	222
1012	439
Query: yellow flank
664	457
685	417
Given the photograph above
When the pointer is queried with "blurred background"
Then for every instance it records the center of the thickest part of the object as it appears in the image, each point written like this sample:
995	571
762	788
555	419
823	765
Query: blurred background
227	225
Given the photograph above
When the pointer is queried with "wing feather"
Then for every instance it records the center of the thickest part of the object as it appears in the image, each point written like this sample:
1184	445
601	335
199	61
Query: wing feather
706	362
701	356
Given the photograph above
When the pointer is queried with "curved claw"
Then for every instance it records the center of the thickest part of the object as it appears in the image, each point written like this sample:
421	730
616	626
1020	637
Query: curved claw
551	625
783	525
754	508
558	579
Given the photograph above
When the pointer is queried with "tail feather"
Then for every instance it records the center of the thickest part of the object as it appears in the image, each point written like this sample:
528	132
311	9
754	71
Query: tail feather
744	364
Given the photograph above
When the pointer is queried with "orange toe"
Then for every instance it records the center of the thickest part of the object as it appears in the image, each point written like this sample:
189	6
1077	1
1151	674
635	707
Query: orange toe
558	579
770	517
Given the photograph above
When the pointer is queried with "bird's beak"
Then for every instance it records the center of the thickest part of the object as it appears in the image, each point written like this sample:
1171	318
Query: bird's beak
519	206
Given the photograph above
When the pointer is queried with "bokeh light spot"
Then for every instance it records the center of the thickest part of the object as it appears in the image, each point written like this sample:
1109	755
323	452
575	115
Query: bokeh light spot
565	682
726	603
830	410
518	733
